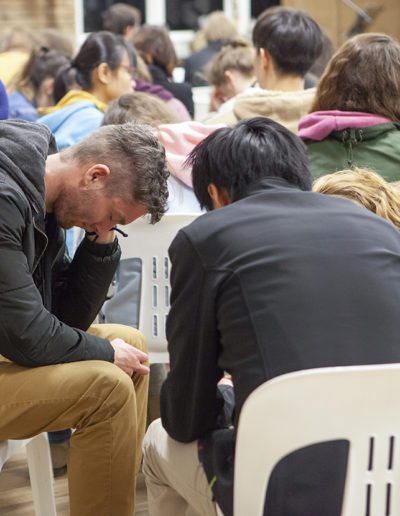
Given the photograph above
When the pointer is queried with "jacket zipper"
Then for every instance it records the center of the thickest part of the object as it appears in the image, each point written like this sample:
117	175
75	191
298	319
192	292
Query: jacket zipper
39	257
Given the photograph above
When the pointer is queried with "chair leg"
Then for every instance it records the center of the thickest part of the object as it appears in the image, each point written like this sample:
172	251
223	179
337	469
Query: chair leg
41	475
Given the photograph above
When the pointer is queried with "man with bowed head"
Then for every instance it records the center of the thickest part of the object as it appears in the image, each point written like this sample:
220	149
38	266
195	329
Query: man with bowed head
57	371
273	279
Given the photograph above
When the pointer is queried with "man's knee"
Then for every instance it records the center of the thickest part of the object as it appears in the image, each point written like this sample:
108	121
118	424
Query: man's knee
121	331
150	447
152	434
109	385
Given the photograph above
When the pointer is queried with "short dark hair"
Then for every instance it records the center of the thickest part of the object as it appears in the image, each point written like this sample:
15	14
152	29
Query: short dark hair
291	36
238	157
119	16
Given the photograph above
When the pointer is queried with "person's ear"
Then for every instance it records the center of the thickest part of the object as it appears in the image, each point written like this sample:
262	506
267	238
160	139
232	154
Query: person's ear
128	31
96	176
103	72
219	196
265	57
229	77
47	86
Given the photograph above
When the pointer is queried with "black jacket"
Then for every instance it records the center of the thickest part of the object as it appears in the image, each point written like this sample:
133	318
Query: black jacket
180	90
279	281
45	301
195	63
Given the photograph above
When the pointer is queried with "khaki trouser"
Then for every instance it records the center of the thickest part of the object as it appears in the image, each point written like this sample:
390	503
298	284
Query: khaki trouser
107	410
175	479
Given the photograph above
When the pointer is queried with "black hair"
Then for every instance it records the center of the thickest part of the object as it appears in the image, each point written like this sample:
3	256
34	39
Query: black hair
238	157
291	36
99	47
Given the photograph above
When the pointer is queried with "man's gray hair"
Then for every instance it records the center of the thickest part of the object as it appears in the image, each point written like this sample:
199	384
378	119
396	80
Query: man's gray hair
137	162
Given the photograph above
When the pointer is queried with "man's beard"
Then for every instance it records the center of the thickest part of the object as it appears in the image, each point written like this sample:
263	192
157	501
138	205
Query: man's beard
74	207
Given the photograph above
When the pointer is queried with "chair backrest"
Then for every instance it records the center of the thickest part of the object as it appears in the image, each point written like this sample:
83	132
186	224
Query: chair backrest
201	101
150	243
357	403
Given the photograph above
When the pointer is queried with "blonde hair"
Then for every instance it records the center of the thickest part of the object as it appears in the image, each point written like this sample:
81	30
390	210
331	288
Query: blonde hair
218	27
19	38
236	55
366	188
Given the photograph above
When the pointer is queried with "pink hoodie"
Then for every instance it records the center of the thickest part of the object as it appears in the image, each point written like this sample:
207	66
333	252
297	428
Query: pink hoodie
318	125
179	140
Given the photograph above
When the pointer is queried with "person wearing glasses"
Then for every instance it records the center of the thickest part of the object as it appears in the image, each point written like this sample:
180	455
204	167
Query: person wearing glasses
101	72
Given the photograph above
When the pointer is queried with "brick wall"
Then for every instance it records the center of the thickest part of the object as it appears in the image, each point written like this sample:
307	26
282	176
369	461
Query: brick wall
38	14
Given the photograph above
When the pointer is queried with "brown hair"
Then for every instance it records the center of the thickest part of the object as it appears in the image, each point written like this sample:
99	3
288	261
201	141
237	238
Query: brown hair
140	107
55	40
42	63
155	46
363	75
365	188
236	55
119	16
142	72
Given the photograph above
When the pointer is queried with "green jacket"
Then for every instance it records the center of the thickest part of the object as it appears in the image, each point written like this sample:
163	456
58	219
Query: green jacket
376	147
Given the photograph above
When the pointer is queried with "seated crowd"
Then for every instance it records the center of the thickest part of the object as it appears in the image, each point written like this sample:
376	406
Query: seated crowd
277	273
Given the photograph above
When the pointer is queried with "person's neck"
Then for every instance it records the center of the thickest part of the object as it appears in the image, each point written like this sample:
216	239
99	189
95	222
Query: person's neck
243	83
99	94
283	83
54	179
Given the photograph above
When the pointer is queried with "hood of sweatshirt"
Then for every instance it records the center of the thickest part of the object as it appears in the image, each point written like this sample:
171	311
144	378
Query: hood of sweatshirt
154	89
179	140
318	125
24	147
72	97
285	107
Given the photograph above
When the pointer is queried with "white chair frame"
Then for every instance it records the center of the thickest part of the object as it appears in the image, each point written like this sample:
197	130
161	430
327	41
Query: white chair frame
356	403
150	243
40	470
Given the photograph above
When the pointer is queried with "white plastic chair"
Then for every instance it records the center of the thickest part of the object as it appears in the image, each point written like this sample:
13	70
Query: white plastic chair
40	470
150	243
201	101
357	403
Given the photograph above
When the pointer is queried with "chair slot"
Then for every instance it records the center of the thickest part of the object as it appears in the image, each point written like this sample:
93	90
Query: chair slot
391	452
388	498
166	268
154	296
167	296
371	454
154	268
368	500
155	326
